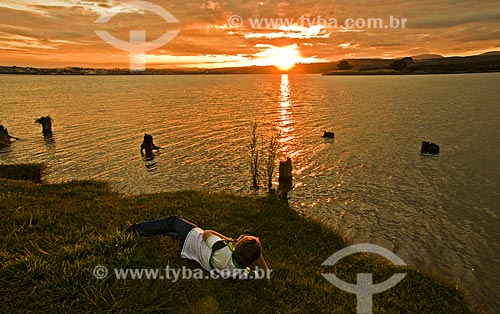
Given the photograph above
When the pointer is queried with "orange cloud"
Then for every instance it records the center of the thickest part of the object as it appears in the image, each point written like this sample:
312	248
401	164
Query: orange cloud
62	32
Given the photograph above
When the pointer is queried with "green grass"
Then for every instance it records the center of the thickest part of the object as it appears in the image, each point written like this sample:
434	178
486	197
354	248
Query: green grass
53	236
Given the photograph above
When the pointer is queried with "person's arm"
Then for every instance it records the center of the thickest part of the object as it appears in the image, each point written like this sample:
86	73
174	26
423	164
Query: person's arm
208	233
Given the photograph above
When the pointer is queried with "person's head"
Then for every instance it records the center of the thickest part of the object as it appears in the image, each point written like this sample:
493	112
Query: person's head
247	250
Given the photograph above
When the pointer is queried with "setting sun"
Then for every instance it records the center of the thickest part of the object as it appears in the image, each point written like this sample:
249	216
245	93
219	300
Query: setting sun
284	58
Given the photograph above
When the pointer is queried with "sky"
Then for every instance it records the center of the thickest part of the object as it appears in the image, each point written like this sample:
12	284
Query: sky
213	33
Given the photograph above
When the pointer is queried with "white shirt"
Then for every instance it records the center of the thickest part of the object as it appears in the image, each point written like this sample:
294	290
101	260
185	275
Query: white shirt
199	250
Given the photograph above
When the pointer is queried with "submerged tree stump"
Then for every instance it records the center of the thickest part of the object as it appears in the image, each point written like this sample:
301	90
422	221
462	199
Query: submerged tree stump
429	148
147	146
46	123
285	180
327	134
5	137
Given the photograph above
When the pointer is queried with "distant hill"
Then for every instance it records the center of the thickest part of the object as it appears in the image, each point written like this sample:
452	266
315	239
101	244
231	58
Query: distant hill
485	57
427	57
425	64
491	53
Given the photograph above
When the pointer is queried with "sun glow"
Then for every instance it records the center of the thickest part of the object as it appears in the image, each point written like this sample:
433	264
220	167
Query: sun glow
284	58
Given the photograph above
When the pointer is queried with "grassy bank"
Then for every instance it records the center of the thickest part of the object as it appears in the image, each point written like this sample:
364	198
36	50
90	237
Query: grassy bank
53	236
30	172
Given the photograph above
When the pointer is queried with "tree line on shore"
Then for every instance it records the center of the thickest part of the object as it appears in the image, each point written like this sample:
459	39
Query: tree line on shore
489	62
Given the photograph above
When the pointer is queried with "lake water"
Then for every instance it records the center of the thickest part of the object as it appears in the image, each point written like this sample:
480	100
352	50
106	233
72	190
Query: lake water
438	213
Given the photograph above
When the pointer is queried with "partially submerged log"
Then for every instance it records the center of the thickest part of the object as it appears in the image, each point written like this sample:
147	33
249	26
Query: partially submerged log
429	148
46	123
285	180
147	145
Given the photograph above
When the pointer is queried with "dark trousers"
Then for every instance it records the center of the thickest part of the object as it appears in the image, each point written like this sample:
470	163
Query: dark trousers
173	226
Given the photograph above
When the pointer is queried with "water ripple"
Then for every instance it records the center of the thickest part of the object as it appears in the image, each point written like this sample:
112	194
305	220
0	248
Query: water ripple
370	182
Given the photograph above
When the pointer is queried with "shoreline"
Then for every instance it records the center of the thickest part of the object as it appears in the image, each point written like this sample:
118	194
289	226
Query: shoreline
56	233
369	73
336	73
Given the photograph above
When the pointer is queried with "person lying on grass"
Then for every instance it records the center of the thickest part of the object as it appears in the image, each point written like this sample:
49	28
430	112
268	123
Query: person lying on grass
212	250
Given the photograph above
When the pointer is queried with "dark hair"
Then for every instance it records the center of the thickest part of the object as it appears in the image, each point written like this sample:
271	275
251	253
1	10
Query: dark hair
247	251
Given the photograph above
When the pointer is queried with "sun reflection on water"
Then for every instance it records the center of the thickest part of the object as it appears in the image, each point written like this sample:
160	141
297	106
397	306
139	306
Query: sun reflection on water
286	123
